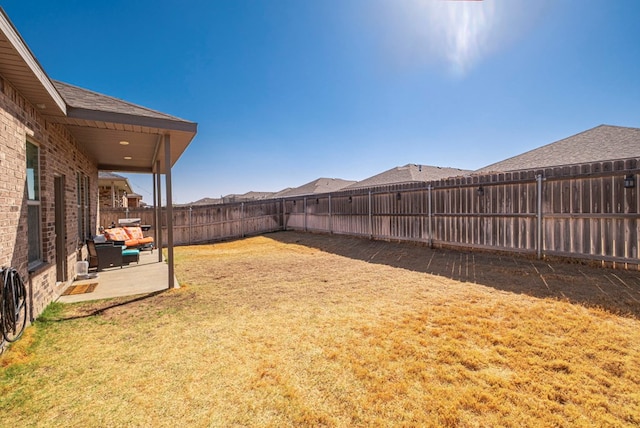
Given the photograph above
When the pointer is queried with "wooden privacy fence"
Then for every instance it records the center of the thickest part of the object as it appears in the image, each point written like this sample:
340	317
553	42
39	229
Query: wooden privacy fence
207	223
588	211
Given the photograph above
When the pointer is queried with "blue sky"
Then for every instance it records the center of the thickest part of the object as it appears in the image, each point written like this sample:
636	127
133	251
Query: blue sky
287	91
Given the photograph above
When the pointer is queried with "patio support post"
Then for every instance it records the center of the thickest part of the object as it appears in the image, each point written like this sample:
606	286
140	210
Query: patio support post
167	161
159	211
155	205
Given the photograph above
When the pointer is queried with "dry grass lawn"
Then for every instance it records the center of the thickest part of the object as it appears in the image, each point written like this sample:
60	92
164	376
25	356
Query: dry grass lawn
279	331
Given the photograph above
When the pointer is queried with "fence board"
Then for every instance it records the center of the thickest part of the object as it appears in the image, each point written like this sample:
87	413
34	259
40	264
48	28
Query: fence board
586	213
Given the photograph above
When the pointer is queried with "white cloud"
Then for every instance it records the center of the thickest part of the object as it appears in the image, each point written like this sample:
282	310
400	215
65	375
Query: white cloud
458	34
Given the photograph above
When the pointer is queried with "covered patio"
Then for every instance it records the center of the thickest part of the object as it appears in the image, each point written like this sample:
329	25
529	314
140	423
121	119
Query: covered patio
147	276
124	137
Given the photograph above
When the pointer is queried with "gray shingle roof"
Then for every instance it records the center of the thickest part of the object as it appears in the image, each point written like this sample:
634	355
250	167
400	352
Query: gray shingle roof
409	173
109	176
77	97
321	185
602	143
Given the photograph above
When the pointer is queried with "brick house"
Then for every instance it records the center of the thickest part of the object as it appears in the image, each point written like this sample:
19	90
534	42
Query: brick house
54	138
115	191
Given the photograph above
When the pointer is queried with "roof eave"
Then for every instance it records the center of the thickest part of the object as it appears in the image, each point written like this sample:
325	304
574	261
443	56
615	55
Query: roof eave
46	92
127	119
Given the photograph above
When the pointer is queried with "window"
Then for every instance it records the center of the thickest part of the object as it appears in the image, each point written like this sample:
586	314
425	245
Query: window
33	204
84	220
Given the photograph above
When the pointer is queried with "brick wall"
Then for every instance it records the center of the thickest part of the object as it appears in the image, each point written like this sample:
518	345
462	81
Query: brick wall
106	197
59	156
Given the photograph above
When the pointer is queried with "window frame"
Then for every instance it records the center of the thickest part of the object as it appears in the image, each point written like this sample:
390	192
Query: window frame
34	200
82	204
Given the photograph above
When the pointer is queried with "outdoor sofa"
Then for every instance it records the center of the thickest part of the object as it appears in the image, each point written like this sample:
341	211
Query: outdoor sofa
131	236
108	254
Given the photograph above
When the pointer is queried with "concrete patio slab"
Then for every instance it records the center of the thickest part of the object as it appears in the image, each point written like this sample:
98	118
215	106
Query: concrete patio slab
147	276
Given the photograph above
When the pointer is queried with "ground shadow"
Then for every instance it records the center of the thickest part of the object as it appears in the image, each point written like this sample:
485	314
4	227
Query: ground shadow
617	291
98	307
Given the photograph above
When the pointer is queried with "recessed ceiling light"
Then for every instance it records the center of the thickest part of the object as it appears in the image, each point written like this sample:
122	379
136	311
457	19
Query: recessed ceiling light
41	106
124	143
128	158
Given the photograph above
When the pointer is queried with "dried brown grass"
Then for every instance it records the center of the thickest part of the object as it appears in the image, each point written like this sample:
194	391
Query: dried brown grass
269	332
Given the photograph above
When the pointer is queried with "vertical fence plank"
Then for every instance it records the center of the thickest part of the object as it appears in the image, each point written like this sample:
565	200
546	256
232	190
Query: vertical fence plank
587	212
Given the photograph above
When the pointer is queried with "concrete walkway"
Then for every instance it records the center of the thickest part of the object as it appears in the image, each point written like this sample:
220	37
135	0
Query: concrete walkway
147	276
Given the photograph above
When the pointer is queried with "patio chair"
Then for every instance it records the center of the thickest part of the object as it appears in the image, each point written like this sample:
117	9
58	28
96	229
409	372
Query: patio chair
109	254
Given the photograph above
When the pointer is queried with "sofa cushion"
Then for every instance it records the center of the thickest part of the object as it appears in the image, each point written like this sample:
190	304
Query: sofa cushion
133	232
116	234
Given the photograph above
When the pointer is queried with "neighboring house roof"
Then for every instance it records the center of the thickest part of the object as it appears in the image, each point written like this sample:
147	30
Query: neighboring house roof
106	175
409	173
321	185
206	201
107	178
602	143
249	196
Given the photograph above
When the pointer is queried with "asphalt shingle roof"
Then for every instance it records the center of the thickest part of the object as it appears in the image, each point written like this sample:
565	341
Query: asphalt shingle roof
321	185
109	175
78	97
408	174
602	143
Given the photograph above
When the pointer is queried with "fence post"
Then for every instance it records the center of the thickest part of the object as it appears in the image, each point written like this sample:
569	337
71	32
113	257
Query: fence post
370	217
330	218
284	209
540	236
429	217
242	219
190	221
304	206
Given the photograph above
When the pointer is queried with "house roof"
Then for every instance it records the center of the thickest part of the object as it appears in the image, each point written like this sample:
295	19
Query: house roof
321	185
108	178
20	66
205	201
98	122
602	143
106	175
255	195
409	173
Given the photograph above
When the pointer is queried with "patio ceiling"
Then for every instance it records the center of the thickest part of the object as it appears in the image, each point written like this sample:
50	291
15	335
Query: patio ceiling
101	124
98	123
